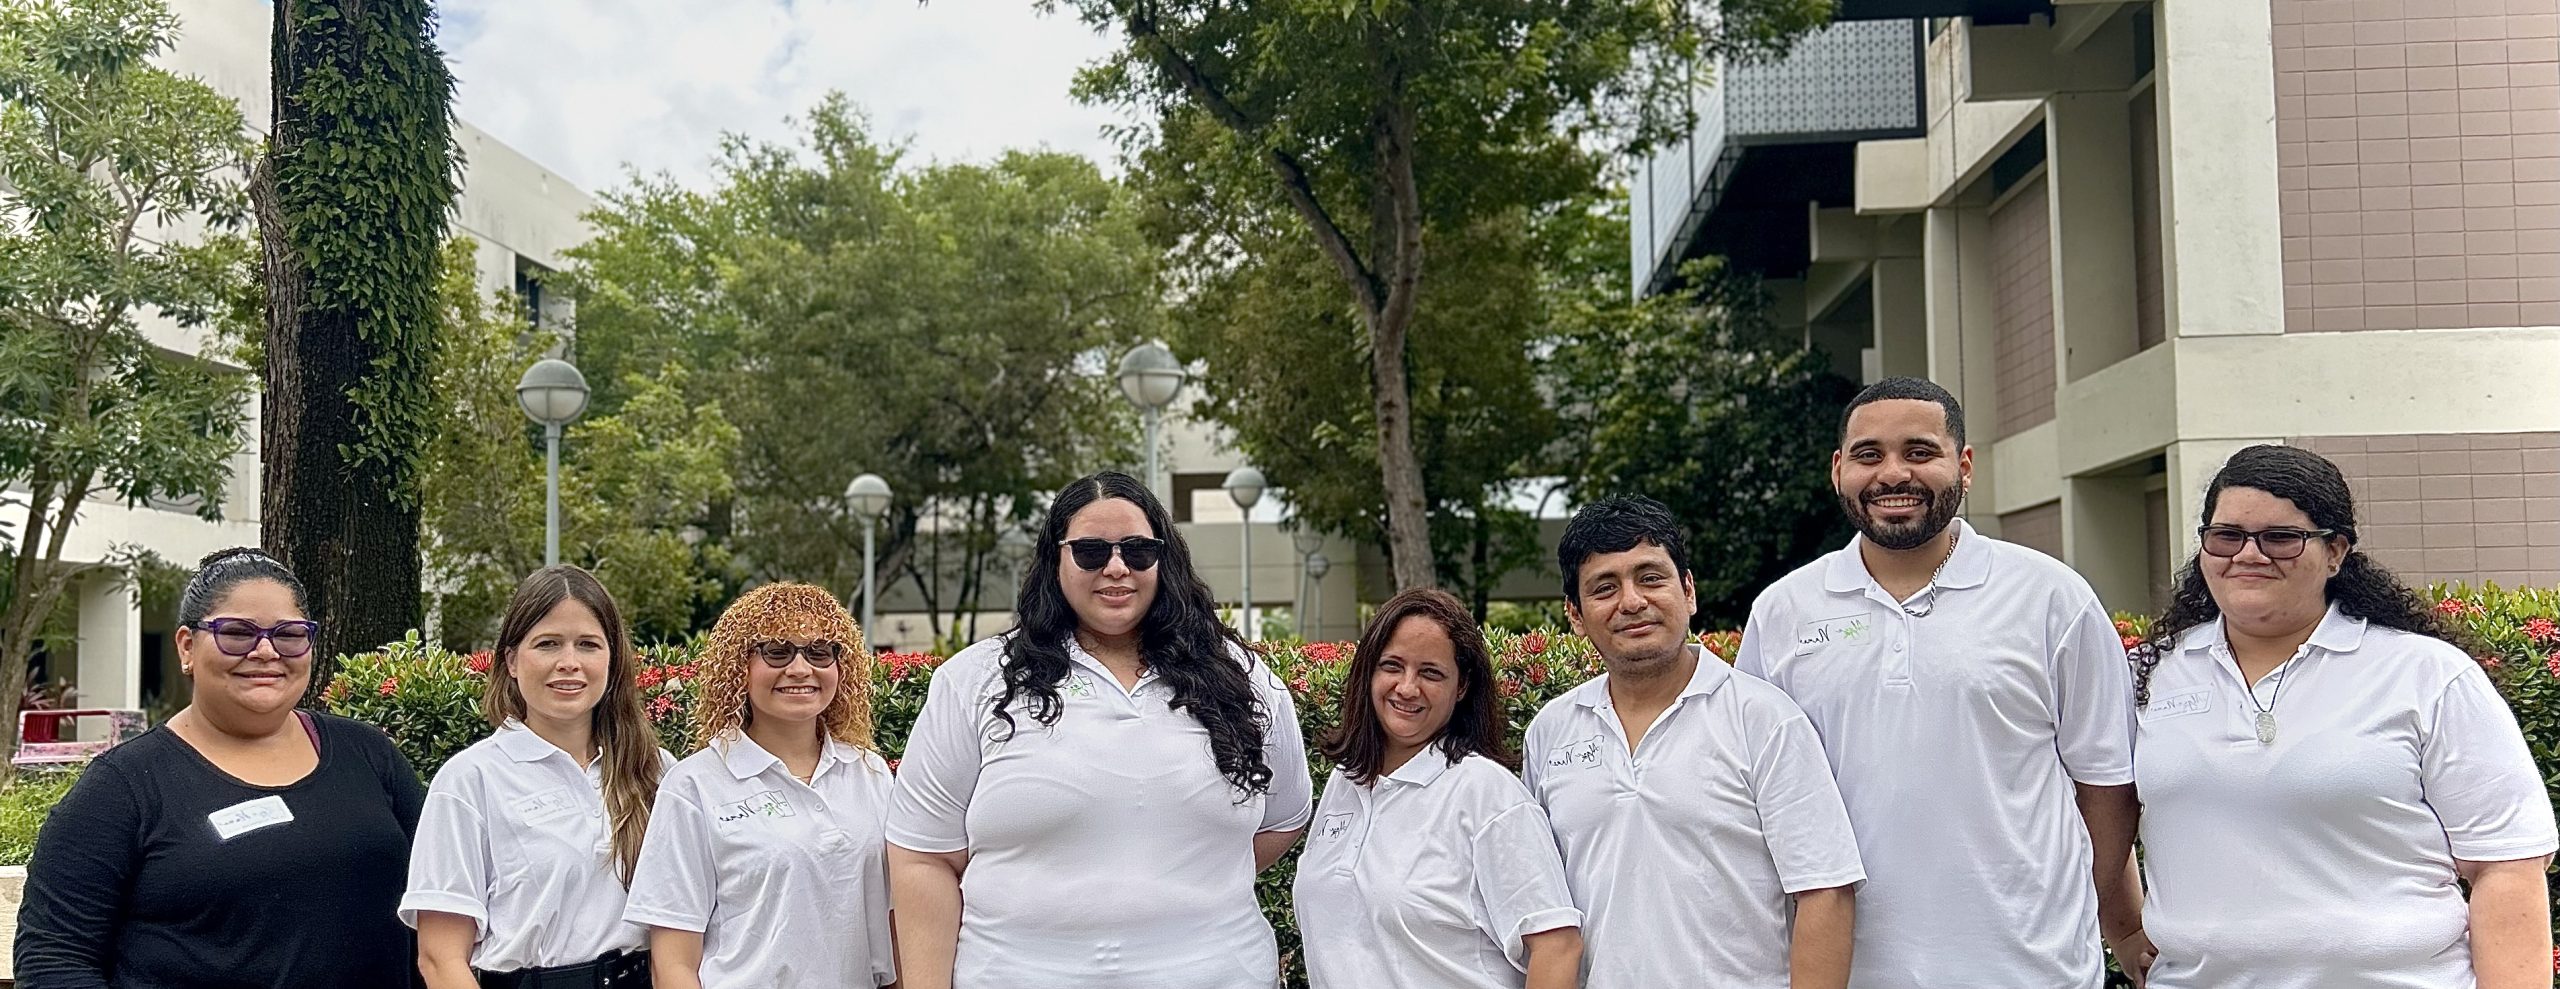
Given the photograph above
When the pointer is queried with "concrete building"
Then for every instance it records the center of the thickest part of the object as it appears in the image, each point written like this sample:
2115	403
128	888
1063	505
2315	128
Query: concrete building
523	218
2136	237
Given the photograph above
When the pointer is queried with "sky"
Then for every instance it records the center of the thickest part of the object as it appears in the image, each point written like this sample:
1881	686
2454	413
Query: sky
593	89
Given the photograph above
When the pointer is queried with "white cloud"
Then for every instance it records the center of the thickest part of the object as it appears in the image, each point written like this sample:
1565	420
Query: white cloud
590	87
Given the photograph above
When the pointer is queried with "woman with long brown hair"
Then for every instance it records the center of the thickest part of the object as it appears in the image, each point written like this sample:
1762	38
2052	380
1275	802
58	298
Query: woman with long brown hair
763	868
530	836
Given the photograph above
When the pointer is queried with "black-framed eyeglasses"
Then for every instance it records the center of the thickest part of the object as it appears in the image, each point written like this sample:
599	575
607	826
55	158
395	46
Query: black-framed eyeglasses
2280	543
240	636
1139	552
777	654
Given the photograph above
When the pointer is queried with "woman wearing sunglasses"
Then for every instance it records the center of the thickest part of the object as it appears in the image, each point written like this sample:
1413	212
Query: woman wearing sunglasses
762	867
530	835
1431	866
1087	798
244	842
2322	770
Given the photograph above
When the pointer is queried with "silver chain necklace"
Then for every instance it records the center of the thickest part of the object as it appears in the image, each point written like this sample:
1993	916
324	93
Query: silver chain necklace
1928	596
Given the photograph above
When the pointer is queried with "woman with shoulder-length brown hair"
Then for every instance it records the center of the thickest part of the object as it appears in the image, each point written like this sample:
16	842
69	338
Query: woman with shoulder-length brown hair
529	837
763	867
1429	864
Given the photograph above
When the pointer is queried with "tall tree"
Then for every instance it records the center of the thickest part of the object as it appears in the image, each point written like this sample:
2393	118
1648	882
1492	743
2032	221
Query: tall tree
1380	125
105	162
943	327
352	200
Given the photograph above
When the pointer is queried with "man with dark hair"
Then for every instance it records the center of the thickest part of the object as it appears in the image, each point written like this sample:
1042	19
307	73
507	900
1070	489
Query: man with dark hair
1703	837
1974	701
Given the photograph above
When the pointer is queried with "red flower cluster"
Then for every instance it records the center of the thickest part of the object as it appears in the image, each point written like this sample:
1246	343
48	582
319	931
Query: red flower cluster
2130	642
902	665
2553	664
2541	630
390	686
664	705
1534	643
478	662
2450	607
651	676
1326	652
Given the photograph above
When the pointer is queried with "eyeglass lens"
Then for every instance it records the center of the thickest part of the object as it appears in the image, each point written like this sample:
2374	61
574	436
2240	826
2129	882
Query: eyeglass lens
239	636
2277	544
1139	552
821	654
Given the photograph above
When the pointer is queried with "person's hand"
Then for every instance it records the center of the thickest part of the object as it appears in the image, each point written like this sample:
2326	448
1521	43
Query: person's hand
2134	954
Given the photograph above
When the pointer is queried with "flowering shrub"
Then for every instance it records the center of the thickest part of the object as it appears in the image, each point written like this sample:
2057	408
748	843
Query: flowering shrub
428	699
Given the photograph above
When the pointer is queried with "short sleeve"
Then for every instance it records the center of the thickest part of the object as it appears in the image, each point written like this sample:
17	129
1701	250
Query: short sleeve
2480	778
1519	879
1751	656
83	868
1290	803
1801	816
675	882
2093	697
449	865
939	772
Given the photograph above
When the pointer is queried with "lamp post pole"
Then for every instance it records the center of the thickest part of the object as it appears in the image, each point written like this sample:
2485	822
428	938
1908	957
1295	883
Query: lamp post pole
1151	376
1317	565
868	496
552	393
1306	540
1244	485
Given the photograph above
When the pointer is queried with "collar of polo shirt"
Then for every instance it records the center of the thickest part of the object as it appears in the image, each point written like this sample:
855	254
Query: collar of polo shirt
1969	567
1711	674
522	745
1425	766
745	758
2338	632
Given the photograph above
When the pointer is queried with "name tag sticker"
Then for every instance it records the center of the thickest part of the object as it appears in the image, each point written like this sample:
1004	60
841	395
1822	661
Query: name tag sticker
2178	705
1581	754
246	816
1333	825
544	806
1825	631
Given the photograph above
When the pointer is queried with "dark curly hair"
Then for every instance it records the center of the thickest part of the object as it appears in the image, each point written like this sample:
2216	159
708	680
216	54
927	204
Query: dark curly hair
2362	588
1475	726
1180	639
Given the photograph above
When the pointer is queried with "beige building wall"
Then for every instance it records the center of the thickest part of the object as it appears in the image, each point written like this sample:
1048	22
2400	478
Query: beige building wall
2038	528
2022	308
2456	507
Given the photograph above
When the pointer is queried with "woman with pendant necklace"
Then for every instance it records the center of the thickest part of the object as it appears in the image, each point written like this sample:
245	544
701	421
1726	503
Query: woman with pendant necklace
529	837
2322	770
762	867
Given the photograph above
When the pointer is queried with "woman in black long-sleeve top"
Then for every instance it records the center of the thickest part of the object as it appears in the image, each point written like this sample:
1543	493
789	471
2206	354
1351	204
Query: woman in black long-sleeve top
244	843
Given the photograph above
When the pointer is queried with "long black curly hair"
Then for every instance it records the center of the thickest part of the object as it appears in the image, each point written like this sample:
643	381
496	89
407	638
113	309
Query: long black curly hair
2362	588
1180	639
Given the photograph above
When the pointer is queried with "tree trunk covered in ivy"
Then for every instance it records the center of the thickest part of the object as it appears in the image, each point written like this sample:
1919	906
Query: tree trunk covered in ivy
352	200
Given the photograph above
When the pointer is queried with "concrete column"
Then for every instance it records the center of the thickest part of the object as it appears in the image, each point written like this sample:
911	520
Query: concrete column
1962	339
110	672
2104	537
2089	182
2221	240
1902	317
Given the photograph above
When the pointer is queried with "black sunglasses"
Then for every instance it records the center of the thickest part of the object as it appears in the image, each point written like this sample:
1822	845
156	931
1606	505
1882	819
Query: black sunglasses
1139	552
777	654
240	636
2282	543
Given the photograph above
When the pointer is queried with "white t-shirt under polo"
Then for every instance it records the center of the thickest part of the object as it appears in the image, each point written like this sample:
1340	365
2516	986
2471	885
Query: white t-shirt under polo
1956	739
786	881
514	836
1683	854
2325	860
1429	878
1105	850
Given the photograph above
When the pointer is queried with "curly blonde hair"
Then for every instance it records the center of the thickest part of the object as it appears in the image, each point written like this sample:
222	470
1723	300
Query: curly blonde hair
784	611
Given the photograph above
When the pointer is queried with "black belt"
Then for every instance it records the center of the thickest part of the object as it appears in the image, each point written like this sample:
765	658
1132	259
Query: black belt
616	970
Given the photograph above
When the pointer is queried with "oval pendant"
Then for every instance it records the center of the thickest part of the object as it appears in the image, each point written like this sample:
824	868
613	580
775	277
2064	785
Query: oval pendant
2266	727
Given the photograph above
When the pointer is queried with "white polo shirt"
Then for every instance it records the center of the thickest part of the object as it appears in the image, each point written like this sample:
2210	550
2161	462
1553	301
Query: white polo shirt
1683	854
514	836
1956	739
1430	877
2326	858
786	881
1104	850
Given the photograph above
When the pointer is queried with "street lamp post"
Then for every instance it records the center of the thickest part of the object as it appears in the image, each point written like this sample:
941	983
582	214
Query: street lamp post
1316	567
1306	540
1245	484
868	496
1151	376
552	393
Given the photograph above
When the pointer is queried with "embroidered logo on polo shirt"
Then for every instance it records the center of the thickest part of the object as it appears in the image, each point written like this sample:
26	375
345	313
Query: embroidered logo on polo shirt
770	803
1581	754
1825	631
1333	826
2179	705
1078	685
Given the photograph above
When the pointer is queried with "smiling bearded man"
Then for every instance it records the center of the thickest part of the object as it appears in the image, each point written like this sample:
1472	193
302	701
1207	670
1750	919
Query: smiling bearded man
1975	704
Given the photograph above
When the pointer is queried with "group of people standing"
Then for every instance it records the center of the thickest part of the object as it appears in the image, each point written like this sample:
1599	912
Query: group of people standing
1927	766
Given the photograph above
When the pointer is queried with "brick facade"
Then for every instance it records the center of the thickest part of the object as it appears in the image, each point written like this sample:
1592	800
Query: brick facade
2022	309
2456	507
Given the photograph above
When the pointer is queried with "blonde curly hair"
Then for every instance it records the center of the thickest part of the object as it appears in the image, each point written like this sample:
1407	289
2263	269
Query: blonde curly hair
784	611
